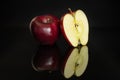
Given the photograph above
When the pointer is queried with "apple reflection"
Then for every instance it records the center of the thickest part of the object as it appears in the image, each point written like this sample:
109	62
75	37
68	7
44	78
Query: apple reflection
75	62
46	59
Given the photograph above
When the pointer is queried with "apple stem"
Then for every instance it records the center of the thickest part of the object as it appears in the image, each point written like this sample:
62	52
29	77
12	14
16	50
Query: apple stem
71	11
72	15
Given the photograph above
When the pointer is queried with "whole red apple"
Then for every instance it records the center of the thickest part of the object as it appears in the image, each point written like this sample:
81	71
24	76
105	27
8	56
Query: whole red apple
46	59
45	28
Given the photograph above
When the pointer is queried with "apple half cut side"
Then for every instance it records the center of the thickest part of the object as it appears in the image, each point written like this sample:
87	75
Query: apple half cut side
75	28
75	62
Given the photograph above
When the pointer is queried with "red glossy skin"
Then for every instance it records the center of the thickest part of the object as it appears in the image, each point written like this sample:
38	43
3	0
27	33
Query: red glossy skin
47	58
45	29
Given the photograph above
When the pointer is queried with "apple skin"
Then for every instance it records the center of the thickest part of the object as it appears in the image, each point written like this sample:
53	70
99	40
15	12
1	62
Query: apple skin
46	59
45	28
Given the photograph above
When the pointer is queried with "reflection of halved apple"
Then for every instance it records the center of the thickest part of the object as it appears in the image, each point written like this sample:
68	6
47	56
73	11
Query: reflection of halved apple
75	62
74	26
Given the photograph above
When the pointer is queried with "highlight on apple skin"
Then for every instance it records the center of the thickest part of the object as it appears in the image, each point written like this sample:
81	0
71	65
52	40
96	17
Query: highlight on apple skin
45	29
75	62
75	28
46	59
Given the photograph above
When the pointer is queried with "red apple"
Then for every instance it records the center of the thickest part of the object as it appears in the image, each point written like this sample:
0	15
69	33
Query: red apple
45	29
75	62
75	28
46	59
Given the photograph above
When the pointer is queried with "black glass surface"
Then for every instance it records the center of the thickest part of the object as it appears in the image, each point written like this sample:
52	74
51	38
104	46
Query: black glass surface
18	47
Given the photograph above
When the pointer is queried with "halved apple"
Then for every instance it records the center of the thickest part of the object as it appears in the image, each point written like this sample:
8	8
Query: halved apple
75	28
75	62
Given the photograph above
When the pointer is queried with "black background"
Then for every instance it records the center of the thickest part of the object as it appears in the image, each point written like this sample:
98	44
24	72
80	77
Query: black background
100	12
17	45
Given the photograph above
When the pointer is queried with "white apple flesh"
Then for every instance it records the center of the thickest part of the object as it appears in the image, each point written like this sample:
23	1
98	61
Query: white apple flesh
76	62
82	26
74	27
